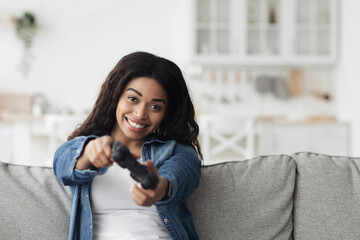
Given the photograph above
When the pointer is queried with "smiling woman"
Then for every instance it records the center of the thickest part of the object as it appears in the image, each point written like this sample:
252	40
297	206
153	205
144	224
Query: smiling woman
144	104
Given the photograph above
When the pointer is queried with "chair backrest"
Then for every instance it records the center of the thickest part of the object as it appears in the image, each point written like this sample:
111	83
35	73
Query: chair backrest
226	138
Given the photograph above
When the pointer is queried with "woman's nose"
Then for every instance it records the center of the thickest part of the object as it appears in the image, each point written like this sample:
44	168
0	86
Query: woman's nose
140	112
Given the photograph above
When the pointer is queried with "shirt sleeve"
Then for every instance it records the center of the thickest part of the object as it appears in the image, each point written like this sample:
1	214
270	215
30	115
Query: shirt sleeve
65	159
182	170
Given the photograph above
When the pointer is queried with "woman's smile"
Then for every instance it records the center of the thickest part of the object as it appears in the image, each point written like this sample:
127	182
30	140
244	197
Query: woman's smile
135	125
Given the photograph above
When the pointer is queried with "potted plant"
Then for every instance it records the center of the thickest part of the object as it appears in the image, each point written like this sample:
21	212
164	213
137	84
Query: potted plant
26	28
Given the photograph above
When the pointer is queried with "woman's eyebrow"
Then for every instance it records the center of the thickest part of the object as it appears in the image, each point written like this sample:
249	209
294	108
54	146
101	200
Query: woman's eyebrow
159	100
134	90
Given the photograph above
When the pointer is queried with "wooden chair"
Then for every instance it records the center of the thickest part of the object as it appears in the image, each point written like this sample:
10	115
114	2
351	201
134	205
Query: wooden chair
226	138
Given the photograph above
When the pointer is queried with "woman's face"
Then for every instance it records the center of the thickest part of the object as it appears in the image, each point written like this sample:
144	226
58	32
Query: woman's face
140	110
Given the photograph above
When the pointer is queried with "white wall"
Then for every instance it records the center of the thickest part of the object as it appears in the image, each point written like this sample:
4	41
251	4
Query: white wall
348	71
80	41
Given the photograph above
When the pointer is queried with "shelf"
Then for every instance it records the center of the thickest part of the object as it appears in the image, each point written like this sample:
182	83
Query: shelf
263	61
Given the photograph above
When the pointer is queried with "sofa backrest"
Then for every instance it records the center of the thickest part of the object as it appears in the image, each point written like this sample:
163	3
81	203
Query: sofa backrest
327	197
33	204
303	196
249	199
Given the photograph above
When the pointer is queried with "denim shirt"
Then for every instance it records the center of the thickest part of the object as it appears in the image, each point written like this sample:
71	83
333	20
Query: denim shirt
178	163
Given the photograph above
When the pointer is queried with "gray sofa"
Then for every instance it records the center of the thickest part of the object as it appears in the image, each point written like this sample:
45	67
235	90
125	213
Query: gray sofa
302	196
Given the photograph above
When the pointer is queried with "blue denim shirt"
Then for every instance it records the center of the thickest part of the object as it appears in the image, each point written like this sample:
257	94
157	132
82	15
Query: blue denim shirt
178	163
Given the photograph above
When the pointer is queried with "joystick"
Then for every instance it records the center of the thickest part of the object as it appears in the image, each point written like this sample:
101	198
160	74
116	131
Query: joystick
141	174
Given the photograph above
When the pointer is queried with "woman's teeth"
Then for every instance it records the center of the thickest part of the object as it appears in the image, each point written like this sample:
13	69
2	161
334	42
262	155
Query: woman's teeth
135	125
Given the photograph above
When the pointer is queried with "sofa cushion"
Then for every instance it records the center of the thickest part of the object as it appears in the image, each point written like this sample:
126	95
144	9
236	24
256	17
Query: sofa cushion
327	197
249	199
34	205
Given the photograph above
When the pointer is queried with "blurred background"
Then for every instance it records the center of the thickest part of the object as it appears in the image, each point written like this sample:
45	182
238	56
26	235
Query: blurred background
266	76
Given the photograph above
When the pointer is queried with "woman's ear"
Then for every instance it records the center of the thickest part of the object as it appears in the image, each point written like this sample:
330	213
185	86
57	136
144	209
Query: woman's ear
163	121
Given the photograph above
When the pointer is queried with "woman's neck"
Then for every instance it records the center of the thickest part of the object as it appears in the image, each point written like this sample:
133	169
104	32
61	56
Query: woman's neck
135	149
133	145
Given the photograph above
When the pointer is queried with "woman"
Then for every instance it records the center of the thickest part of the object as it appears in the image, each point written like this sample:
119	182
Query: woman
144	104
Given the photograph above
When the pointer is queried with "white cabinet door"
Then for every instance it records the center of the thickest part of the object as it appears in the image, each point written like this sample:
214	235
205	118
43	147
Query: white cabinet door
213	27
315	29
264	26
288	138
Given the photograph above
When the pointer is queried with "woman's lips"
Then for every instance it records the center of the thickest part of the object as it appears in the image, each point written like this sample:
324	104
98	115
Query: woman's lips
136	125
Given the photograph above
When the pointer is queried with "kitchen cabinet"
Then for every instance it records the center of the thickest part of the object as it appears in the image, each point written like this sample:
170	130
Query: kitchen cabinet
290	137
265	32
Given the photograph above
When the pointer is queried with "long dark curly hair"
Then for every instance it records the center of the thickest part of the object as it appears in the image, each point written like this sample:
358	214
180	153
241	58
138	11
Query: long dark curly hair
179	122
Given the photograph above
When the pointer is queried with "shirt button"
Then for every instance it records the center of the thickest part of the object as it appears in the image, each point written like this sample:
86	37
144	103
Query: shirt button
165	220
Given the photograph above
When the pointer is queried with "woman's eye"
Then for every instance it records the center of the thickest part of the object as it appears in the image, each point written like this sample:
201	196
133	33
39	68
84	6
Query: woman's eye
156	107
132	99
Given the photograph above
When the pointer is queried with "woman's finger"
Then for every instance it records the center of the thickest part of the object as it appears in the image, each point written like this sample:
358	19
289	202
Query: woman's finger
139	197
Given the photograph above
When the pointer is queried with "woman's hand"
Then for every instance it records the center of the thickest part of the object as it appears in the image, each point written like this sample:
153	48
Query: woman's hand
147	197
97	154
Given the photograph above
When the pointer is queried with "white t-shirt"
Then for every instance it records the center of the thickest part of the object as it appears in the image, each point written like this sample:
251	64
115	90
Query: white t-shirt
116	215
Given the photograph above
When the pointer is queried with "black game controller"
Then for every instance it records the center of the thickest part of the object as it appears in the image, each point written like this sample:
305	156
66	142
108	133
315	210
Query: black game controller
138	172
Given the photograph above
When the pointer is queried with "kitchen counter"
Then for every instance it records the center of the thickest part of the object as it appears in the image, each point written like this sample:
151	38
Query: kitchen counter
287	137
33	140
